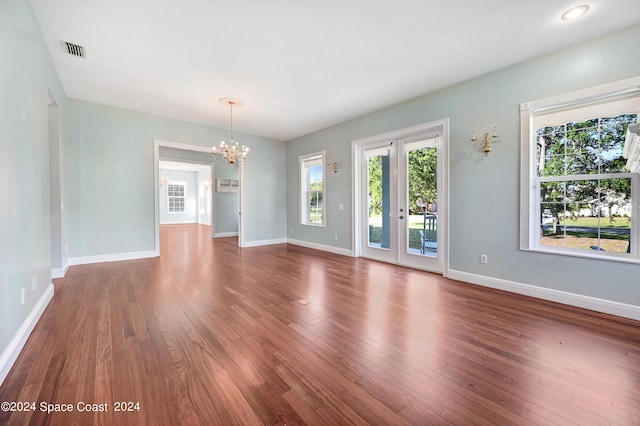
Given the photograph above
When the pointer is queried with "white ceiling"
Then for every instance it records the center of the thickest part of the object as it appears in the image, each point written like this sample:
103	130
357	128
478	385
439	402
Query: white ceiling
298	65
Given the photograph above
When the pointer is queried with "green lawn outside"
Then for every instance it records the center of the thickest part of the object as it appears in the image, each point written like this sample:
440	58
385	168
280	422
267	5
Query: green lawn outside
612	237
416	223
605	222
609	242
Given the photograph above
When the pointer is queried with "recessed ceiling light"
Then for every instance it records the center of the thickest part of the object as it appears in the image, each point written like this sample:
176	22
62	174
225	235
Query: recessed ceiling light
575	12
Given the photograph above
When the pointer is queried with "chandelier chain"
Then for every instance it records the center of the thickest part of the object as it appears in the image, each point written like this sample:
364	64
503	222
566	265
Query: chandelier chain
231	119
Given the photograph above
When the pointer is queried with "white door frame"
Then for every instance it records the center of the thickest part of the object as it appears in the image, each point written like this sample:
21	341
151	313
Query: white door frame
157	143
241	241
357	150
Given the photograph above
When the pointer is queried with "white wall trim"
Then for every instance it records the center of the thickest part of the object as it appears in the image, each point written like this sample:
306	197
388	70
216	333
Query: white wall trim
84	260
315	246
322	247
572	299
225	234
11	352
258	243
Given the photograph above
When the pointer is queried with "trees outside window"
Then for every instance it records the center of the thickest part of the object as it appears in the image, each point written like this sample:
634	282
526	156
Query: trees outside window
585	192
423	180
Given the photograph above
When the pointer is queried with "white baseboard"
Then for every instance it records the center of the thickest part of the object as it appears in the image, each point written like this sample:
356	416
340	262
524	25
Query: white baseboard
566	298
84	260
322	247
59	272
225	234
11	352
264	242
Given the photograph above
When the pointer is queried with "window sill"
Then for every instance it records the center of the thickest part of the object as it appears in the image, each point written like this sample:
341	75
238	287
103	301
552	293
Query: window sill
597	255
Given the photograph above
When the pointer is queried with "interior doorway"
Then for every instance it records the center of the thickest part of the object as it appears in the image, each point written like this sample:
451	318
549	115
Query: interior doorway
185	156
185	194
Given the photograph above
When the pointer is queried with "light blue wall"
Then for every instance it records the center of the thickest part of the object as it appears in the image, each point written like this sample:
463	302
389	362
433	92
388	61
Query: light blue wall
26	77
484	191
227	207
110	177
264	190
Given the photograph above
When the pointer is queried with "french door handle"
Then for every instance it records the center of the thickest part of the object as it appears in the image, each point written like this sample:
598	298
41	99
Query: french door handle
401	217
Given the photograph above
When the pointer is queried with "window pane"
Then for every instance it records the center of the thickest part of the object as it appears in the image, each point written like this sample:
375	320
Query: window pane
551	155
315	178
176	205
596	215
612	138
616	214
583	147
582	125
312	190
552	191
552	130
552	232
582	191
315	207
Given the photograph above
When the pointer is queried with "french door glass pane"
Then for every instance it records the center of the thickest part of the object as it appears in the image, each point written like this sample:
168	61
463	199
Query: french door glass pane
422	193
379	192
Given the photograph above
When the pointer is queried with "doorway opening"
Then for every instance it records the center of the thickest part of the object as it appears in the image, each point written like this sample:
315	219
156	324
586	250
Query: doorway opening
191	189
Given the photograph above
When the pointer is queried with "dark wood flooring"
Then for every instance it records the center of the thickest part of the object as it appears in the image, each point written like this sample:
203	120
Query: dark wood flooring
211	334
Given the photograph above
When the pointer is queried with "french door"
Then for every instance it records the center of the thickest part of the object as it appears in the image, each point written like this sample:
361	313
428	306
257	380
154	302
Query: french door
401	189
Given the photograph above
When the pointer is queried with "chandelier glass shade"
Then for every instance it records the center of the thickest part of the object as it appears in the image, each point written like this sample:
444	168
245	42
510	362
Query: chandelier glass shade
230	152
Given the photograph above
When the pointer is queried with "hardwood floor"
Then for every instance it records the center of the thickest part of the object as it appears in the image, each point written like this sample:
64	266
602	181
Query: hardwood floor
214	335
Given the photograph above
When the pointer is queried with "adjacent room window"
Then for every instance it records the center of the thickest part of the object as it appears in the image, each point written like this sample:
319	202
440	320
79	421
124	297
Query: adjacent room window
176	197
578	196
312	185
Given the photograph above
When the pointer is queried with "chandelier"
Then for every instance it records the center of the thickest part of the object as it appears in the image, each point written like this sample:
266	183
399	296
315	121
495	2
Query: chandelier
230	152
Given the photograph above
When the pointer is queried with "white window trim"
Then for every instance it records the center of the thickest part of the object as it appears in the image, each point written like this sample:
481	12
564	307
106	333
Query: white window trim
302	193
184	184
528	182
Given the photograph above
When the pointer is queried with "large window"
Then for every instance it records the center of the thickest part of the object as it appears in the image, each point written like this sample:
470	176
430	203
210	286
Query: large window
176	197
312	211
578	196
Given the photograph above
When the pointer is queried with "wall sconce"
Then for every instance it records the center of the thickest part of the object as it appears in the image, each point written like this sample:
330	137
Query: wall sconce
486	141
333	164
163	181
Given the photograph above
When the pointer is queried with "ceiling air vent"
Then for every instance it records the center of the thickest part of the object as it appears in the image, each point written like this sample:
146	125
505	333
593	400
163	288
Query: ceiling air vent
73	49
